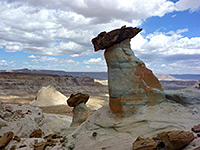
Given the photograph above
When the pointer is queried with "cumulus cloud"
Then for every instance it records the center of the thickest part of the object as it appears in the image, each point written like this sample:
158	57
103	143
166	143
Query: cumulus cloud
5	63
192	5
35	26
94	61
104	10
54	63
169	43
50	59
32	56
165	52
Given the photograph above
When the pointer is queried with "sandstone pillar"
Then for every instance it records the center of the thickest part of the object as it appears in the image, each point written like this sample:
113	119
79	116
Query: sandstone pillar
130	83
80	110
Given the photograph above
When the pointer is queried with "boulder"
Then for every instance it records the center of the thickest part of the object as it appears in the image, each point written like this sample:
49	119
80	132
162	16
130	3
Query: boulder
52	136
5	139
36	134
184	96
16	138
77	99
144	144
105	40
175	140
49	96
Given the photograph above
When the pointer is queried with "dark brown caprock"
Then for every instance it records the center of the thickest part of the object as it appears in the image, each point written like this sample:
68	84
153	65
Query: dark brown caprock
105	40
76	99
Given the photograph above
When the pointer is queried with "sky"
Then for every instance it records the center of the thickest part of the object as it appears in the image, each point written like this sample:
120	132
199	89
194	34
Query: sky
56	34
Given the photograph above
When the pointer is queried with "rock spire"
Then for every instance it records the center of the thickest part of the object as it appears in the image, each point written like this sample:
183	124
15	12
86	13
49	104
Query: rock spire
130	83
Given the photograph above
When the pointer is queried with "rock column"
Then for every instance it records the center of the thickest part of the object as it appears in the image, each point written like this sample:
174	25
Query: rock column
80	110
130	83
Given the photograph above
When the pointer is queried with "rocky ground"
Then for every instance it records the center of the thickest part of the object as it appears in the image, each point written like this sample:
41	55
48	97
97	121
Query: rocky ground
48	127
21	88
18	118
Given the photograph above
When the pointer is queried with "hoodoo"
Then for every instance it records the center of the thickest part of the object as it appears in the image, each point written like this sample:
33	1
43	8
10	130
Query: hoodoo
80	110
130	83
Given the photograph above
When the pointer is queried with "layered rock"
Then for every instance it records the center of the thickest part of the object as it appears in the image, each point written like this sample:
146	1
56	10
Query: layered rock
49	96
36	134
77	99
24	83
185	97
80	110
130	83
105	40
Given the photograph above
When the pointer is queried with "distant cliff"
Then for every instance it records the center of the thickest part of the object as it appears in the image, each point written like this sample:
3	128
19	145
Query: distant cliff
25	83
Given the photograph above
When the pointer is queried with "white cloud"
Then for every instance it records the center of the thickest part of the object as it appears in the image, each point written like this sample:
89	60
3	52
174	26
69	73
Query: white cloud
177	67
32	56
166	43
192	5
169	52
50	59
181	31
34	26
104	10
94	61
5	63
11	46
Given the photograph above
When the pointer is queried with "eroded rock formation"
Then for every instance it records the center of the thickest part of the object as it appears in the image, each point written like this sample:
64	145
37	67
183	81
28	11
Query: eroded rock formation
80	110
105	40
130	83
76	99
49	96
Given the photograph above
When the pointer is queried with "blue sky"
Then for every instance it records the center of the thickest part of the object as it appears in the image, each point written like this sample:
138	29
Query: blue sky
56	35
